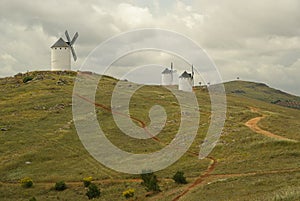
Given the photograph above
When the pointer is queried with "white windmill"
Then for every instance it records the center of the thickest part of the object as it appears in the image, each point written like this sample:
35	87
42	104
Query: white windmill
186	81
61	53
167	76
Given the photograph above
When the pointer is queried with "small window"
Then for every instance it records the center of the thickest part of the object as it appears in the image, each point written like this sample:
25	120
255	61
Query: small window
60	48
55	48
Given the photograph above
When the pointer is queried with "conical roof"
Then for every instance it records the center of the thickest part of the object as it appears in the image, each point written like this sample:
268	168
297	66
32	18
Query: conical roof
60	43
185	75
167	71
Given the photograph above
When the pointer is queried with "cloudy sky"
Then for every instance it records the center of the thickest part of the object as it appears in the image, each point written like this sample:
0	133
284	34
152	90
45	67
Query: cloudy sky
256	40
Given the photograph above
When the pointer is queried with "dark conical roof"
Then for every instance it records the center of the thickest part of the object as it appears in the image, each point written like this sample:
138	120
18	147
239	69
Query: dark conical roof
185	75
167	71
60	43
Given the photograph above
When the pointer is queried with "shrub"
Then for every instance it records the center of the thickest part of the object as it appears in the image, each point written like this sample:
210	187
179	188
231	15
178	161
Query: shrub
150	182
93	191
87	181
26	182
128	193
27	79
32	199
60	186
179	178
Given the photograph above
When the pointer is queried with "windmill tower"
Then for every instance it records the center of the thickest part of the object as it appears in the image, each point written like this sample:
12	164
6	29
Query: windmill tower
167	76
61	53
186	81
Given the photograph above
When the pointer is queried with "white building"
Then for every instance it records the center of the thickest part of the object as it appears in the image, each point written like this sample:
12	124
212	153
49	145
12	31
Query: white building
60	55
186	82
167	76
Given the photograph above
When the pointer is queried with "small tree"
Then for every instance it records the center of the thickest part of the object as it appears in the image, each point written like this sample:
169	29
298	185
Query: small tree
179	178
93	191
27	79
60	186
150	182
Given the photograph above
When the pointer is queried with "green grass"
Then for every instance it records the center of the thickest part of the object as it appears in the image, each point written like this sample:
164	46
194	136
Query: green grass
259	91
42	132
259	187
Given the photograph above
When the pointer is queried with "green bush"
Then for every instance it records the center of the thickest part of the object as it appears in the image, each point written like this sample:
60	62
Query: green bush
27	79
93	191
179	178
128	193
60	186
32	199
26	182
87	181
150	182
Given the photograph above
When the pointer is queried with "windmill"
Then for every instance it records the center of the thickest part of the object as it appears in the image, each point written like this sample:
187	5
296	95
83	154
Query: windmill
186	81
167	76
61	53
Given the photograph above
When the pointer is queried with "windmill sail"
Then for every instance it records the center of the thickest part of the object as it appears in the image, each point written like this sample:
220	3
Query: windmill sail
71	42
67	35
74	38
73	53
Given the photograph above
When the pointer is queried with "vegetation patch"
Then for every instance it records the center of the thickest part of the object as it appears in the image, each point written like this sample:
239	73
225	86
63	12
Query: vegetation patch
60	186
26	182
93	191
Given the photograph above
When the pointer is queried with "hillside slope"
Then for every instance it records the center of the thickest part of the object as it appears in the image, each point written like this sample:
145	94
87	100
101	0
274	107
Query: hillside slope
39	140
262	92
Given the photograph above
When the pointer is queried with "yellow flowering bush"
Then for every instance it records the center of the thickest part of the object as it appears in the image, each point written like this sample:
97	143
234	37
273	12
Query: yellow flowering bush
87	181
26	182
128	193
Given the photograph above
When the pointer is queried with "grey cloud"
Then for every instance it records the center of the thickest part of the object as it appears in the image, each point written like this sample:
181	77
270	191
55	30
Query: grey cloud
256	40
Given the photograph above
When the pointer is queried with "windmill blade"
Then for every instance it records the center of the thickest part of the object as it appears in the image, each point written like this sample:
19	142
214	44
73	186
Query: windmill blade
68	37
73	53
74	38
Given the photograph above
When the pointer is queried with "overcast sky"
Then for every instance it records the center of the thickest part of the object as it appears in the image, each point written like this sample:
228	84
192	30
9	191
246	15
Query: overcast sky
255	40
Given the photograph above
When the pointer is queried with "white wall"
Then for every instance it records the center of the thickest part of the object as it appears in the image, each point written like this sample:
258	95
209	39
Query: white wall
186	84
60	58
166	79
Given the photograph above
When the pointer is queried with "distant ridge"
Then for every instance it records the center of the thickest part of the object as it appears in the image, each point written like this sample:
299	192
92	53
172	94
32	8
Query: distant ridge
253	90
263	92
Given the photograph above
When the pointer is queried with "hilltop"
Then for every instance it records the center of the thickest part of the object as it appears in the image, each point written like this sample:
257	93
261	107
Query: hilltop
39	140
263	92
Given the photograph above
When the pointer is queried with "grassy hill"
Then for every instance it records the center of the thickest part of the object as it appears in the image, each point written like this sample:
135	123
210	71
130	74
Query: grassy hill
261	91
39	140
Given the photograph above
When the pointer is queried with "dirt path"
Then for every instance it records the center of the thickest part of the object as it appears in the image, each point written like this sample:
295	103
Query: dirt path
199	180
252	124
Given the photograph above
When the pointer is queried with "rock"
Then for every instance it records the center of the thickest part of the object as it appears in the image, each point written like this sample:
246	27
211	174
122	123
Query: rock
4	129
59	106
39	108
238	92
39	77
18	75
61	82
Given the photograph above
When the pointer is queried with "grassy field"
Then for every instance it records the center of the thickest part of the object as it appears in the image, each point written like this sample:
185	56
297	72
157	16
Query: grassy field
36	126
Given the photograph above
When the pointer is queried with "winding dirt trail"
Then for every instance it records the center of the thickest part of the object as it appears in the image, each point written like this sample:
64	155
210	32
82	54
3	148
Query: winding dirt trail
200	179
252	124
